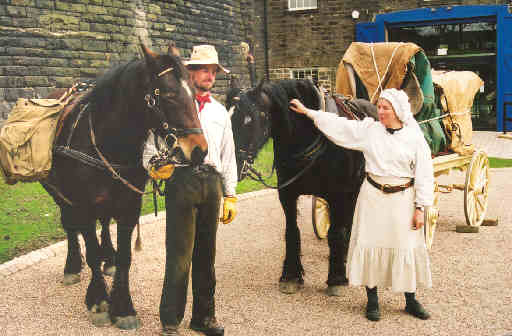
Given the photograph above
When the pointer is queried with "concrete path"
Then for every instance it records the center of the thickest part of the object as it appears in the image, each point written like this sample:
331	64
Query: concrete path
472	291
493	144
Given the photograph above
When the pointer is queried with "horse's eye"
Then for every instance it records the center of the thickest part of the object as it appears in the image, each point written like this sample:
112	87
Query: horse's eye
247	120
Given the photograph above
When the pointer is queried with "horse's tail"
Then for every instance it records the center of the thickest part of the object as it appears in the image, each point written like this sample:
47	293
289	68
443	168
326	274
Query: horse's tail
138	241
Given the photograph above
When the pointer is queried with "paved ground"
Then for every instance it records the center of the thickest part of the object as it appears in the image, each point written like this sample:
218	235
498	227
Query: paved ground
472	291
493	144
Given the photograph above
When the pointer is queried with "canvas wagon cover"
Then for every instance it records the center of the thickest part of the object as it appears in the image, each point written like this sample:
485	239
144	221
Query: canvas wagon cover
368	68
458	90
390	58
26	139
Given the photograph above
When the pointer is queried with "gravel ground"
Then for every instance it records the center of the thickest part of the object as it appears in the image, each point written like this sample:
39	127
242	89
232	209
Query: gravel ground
472	279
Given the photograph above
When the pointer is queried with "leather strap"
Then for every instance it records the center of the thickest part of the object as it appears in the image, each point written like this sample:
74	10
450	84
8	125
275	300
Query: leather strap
389	189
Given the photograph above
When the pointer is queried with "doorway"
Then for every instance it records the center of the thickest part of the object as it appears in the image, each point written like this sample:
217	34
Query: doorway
463	46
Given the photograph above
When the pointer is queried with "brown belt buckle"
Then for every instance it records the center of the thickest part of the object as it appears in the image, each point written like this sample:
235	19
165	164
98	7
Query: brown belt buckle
384	186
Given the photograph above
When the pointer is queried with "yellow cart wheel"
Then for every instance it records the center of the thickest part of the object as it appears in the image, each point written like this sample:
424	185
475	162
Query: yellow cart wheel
476	189
431	216
321	220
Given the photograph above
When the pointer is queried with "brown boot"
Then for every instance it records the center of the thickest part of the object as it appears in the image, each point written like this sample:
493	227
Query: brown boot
209	326
170	330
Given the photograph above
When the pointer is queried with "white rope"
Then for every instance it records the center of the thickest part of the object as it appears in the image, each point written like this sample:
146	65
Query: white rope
377	69
443	116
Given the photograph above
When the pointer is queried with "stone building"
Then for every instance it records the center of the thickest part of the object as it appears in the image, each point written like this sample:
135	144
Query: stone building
48	44
308	38
311	40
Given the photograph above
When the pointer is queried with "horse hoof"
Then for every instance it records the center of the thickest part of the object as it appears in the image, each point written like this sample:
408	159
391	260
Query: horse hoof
109	271
334	290
71	279
99	315
127	322
290	287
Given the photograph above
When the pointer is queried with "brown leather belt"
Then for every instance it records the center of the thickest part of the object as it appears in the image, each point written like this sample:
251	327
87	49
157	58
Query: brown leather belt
388	189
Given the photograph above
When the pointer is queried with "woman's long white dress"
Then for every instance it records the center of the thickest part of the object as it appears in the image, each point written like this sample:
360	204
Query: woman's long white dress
384	249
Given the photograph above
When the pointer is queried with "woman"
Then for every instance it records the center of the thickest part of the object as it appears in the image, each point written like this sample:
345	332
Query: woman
387	247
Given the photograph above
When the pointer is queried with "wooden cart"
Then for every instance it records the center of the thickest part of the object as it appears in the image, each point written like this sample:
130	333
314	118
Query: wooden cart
476	191
454	92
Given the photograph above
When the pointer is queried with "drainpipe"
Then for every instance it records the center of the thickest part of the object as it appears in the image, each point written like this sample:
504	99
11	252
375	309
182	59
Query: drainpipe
265	38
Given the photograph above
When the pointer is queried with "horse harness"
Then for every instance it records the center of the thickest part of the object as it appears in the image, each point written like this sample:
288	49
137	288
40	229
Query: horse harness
346	108
170	135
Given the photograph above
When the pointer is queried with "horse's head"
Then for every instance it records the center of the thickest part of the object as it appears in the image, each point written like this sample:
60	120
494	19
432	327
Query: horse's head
173	114
274	97
250	126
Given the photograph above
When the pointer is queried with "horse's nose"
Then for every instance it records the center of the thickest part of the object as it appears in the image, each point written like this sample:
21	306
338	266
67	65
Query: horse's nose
198	156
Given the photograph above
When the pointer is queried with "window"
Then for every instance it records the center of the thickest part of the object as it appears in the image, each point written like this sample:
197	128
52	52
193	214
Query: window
466	38
301	4
305	74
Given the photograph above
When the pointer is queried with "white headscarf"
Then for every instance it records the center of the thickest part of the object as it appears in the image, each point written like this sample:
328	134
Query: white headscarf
400	102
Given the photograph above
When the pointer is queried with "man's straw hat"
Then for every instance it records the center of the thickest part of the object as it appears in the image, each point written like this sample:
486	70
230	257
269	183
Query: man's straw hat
205	54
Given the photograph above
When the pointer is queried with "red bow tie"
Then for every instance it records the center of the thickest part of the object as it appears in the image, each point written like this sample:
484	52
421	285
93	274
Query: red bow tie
202	100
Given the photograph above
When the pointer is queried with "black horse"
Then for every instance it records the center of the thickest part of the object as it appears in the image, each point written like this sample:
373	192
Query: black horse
97	168
306	164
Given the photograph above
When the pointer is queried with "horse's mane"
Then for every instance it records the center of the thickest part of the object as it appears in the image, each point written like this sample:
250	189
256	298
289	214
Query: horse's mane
109	83
281	92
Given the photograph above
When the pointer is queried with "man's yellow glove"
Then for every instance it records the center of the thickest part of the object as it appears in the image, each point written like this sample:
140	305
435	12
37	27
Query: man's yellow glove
161	173
229	209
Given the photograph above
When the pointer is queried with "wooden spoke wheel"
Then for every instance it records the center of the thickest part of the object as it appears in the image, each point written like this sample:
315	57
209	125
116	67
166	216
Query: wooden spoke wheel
321	220
431	216
476	189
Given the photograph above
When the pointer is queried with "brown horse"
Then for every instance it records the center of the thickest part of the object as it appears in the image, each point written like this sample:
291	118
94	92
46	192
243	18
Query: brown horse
73	265
97	168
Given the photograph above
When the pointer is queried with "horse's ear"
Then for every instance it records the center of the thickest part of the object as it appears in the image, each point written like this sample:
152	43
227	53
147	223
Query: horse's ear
148	54
173	51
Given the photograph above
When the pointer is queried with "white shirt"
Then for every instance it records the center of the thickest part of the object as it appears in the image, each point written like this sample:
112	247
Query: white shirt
217	130
216	126
402	154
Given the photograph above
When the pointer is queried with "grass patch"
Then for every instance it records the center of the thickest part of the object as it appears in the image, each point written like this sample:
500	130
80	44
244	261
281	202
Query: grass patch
500	163
29	219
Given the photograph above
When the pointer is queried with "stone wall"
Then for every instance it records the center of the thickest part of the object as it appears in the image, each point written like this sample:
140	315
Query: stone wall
48	44
319	38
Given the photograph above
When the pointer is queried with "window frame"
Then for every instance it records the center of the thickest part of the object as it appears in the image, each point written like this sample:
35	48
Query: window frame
297	8
314	72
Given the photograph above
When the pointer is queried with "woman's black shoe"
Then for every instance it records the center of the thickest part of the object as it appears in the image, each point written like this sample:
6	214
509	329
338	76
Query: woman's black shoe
416	309
372	308
208	326
372	311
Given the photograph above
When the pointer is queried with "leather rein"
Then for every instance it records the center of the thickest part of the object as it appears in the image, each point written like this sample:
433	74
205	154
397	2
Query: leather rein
310	155
170	135
345	109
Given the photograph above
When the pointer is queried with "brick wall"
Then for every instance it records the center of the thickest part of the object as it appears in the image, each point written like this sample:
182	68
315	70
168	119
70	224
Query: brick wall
47	44
318	38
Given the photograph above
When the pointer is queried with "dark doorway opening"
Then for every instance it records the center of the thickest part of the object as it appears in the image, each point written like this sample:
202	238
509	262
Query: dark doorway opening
461	46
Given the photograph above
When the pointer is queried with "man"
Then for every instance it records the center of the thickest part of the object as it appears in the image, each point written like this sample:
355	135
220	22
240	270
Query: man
200	249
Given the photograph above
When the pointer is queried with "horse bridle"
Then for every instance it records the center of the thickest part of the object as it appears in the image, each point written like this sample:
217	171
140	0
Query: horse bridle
247	155
170	135
309	155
